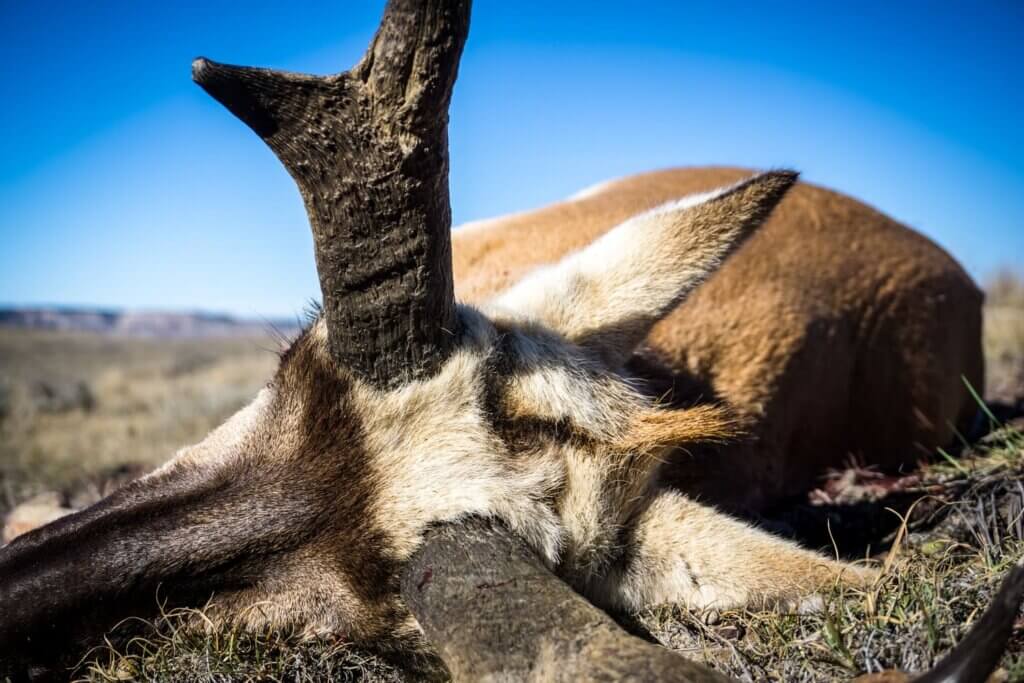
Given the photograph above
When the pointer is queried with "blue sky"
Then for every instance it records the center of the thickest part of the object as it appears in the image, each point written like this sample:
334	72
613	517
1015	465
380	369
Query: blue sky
123	184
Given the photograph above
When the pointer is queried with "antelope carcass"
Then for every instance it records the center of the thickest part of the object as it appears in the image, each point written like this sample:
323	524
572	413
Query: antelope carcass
771	329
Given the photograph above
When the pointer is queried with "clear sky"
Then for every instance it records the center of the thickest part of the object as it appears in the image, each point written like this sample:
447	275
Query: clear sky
123	184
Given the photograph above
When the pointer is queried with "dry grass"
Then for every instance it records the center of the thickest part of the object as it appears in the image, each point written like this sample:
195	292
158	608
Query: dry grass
72	407
943	565
170	649
1004	336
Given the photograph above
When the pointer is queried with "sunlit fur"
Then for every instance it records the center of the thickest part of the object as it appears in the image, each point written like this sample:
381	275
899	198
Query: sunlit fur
532	421
564	412
835	333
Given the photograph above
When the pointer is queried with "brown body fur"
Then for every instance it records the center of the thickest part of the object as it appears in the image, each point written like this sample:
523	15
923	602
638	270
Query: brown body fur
821	330
831	332
301	509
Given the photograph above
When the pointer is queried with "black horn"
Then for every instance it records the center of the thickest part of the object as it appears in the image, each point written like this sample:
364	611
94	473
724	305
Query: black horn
368	149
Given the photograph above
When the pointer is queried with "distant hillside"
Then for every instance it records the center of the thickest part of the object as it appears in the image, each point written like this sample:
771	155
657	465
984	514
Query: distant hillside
157	324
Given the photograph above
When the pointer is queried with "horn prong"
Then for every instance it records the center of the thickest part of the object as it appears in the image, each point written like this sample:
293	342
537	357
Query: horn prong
368	150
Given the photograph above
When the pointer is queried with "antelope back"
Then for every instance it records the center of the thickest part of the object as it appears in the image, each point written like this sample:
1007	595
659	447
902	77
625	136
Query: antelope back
835	331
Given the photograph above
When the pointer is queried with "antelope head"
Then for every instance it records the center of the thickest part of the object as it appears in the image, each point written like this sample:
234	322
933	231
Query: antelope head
397	407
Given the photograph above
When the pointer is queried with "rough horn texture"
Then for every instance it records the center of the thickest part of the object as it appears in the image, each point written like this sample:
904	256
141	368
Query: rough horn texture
368	149
495	613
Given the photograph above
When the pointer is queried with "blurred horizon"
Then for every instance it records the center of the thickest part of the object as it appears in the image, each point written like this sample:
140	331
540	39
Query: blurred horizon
122	185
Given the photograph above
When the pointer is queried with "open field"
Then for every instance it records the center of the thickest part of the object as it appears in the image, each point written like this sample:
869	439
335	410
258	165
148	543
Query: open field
80	413
78	407
1004	337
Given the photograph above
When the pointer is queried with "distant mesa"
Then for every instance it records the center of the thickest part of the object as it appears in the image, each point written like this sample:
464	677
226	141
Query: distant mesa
154	324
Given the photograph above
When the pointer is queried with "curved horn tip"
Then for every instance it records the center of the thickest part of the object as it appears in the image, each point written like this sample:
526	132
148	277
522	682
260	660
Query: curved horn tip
249	93
207	73
200	69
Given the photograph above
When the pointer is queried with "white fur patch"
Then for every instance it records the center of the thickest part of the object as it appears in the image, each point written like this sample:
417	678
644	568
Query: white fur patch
690	554
436	458
609	294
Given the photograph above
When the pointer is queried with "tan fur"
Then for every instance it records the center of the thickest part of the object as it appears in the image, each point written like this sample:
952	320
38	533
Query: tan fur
656	430
606	297
689	553
435	455
834	331
436	458
814	340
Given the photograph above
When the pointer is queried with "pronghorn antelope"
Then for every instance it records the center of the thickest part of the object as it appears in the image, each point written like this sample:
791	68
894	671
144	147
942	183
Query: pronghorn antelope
592	392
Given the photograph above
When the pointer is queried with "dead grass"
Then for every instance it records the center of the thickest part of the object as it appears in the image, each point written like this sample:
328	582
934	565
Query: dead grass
944	564
1004	335
171	649
73	407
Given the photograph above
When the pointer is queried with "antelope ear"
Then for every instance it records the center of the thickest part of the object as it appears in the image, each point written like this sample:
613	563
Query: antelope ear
607	296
